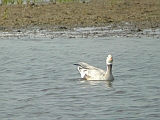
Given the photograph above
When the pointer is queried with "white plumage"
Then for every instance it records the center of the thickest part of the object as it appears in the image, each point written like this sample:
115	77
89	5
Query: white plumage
89	72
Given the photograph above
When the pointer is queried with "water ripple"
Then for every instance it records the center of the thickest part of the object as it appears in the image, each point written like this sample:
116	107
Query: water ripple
39	80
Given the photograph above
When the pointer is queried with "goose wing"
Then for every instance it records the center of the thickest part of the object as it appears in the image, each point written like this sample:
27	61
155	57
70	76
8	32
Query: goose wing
89	72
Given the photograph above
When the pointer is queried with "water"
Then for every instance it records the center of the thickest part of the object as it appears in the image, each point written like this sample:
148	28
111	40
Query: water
38	80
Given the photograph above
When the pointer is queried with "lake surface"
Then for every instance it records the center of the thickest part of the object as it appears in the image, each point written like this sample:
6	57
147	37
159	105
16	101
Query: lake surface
38	80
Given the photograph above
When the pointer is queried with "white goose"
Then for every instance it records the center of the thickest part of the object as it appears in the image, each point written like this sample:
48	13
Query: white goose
89	72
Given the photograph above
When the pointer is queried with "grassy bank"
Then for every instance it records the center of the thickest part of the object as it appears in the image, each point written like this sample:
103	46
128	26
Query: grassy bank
143	14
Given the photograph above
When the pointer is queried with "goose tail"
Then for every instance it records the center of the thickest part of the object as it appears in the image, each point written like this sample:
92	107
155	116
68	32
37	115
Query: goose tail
77	64
81	70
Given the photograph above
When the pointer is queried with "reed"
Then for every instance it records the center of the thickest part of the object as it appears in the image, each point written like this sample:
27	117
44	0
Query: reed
19	1
5	13
4	2
12	1
8	2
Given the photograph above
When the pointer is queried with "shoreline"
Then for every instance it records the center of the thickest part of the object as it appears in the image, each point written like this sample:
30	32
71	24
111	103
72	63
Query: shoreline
87	32
66	16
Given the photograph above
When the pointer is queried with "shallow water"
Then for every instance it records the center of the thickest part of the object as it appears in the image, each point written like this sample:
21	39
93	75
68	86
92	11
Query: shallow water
39	80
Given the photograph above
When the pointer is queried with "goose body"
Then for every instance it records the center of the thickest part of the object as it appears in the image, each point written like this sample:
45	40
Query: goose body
89	72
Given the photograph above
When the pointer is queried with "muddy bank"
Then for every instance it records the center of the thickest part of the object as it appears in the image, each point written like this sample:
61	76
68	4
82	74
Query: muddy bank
139	14
87	32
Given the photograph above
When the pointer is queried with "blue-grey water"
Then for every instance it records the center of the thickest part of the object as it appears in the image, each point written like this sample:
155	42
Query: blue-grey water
38	80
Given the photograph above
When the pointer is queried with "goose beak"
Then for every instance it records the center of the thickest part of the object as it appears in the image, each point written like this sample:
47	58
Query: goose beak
111	59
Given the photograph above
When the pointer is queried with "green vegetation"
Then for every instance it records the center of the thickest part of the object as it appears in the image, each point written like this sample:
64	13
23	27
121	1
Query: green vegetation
8	2
19	1
5	13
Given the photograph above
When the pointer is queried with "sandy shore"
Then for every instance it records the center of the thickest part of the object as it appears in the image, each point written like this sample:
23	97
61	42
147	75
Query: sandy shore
140	14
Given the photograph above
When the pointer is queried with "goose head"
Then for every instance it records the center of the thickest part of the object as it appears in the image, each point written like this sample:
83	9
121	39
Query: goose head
109	60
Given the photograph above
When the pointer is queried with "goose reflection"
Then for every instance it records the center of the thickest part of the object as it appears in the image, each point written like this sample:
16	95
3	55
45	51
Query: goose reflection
108	83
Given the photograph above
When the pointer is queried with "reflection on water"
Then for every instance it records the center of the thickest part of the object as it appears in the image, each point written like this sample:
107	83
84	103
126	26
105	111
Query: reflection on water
109	84
39	81
96	82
